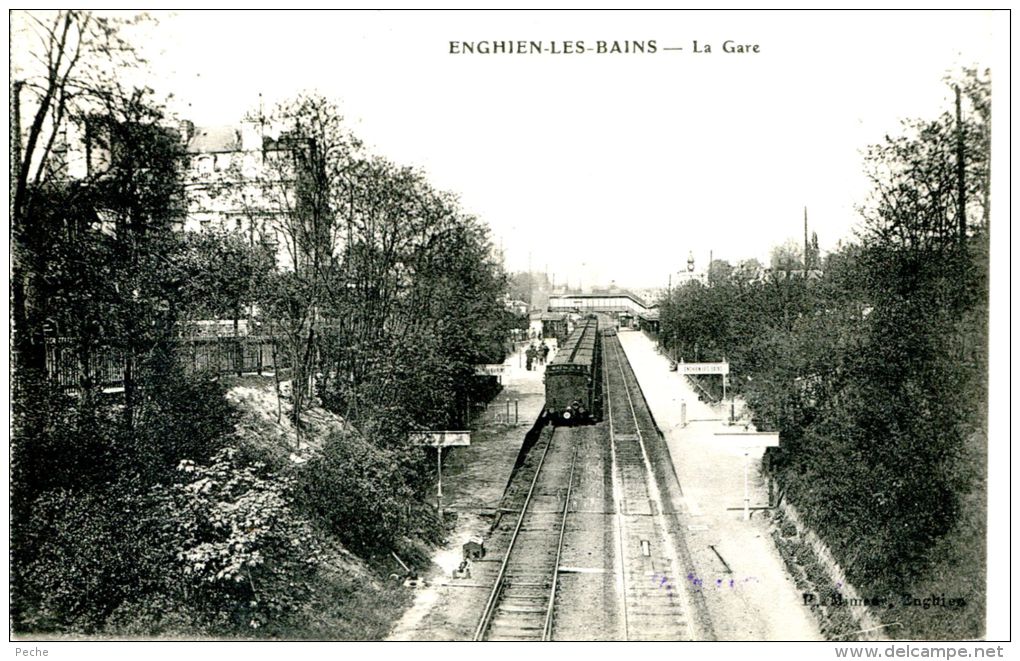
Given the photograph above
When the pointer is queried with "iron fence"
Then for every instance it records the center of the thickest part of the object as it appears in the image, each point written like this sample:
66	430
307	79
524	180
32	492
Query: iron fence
69	365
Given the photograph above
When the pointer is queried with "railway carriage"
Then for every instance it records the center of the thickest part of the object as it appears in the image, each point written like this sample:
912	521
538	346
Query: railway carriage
573	382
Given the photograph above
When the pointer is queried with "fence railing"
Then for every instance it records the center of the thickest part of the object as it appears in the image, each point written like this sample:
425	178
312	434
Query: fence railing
247	354
68	365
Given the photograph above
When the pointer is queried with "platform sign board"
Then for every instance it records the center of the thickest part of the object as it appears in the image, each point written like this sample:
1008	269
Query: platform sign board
490	370
703	368
749	439
441	439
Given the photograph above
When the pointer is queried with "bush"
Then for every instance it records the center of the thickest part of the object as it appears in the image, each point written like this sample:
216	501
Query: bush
358	491
181	417
82	554
245	556
59	442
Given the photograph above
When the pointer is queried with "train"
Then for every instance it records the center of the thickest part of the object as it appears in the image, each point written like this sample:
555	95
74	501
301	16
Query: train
573	379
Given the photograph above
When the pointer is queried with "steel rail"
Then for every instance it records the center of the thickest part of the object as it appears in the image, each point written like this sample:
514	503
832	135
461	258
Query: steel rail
617	499
547	631
490	605
650	481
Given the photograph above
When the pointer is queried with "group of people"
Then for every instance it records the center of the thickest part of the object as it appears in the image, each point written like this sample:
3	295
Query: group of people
534	353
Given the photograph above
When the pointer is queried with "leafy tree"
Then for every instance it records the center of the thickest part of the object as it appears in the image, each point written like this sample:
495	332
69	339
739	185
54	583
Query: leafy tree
916	203
68	67
388	276
874	375
226	272
304	187
719	271
788	256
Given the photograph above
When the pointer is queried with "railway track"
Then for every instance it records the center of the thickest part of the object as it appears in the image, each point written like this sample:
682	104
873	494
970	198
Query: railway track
653	604
522	602
651	592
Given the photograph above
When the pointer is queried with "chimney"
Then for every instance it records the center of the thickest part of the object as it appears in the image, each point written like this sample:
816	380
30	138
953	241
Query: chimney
187	129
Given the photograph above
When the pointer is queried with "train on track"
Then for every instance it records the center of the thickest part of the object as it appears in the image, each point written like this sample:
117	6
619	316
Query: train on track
573	379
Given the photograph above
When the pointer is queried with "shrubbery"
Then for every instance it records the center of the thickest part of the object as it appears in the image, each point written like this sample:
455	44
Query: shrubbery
82	554
242	552
88	535
209	546
358	491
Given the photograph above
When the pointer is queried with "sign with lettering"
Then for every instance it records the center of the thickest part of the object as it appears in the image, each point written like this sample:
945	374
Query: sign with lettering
441	439
490	370
703	368
750	439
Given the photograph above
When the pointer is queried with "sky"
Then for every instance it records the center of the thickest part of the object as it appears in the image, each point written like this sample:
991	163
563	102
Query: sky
600	168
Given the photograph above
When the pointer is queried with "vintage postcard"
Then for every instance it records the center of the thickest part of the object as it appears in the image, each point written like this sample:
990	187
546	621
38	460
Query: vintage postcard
398	326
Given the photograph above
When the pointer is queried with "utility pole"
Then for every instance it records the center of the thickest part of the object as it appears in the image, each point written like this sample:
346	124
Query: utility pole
961	189
806	267
531	285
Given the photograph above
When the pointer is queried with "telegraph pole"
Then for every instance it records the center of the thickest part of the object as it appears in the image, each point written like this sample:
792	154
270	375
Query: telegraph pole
806	267
531	285
961	189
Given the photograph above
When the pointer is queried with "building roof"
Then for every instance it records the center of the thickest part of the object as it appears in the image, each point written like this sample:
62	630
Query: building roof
208	139
607	293
539	315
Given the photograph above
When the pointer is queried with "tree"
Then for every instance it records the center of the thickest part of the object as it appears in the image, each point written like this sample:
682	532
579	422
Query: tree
719	271
916	176
788	256
388	276
814	257
225	273
68	66
748	270
303	186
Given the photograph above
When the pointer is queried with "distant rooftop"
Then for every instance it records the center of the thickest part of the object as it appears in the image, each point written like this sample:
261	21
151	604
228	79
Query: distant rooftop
208	139
604	293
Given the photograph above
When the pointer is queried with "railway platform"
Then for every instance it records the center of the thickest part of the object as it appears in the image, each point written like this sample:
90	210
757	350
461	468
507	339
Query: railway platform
747	591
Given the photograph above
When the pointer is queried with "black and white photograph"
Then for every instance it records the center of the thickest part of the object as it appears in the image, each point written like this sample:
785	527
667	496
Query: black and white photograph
420	326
